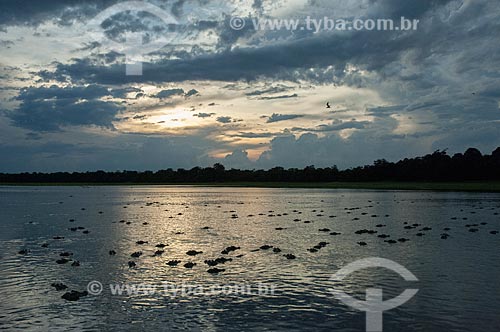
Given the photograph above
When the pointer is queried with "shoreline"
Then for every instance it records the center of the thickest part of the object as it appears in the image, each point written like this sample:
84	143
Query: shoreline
473	186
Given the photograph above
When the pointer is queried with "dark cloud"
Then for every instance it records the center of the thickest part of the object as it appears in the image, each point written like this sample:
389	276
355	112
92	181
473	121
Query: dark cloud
51	108
170	93
335	126
279	97
272	90
122	93
373	50
256	135
191	93
165	94
224	119
282	117
311	149
237	159
133	152
33	12
204	115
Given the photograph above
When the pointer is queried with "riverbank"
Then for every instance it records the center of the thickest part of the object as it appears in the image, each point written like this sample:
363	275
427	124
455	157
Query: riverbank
483	186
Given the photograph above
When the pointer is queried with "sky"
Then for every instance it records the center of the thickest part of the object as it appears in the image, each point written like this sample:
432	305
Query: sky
247	98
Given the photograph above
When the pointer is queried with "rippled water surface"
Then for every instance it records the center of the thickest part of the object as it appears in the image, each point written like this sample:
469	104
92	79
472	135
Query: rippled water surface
458	276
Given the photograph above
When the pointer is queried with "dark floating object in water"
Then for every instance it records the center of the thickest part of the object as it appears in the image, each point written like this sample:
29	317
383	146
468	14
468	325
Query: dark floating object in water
289	256
158	253
279	228
335	233
23	252
141	242
86	232
276	250
75	263
72	220
312	250
44	245
112	252
62	261
74	295
494	232
189	265
324	230
206	227
391	241
145	223
444	236
380	225
473	230
365	231
229	249
384	236
362	243
59	286
215	270
161	245
131	264
193	252
220	260
420	234
427	229
174	262
265	247
136	254
58	237
446	229
403	240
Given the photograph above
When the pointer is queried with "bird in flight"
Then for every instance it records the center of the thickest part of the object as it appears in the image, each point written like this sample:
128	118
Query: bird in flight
328	105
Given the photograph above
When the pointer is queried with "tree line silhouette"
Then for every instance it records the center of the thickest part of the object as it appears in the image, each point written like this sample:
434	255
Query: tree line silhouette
436	167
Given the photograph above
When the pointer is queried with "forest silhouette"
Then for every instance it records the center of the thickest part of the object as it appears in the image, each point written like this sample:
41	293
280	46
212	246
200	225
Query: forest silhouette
436	167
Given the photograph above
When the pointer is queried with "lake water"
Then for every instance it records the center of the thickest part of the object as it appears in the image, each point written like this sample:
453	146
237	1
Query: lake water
458	277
